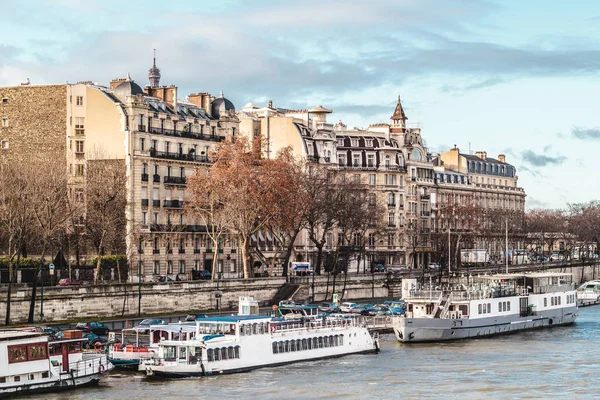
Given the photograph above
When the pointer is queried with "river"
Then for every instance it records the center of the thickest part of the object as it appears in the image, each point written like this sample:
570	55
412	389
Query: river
557	362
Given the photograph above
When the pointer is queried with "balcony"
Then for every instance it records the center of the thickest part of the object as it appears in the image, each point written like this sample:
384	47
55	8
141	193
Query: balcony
155	251
144	202
156	178
196	251
391	205
185	134
172	204
179	156
174	180
144	177
425	213
155	203
391	225
397	168
425	197
141	128
181	251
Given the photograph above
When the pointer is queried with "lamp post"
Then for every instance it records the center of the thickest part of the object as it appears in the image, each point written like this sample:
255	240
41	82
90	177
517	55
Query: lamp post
218	293
139	288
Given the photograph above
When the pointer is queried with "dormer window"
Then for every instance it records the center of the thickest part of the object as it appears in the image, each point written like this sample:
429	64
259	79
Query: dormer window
354	142
340	142
369	142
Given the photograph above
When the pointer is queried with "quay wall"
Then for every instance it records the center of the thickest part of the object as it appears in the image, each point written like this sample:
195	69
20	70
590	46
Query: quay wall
109	301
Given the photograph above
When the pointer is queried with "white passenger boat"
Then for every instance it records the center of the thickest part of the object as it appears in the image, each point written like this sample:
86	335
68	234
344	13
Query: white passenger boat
29	363
244	342
488	305
589	292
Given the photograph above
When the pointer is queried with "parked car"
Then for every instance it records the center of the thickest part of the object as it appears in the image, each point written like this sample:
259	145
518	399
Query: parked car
201	274
93	340
69	282
147	322
347	307
94	327
360	307
329	307
397	307
379	268
53	333
162	279
555	257
193	317
284	303
263	274
434	266
368	310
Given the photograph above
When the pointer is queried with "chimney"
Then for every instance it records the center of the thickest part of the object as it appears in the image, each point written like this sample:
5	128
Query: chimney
116	82
501	158
481	154
166	94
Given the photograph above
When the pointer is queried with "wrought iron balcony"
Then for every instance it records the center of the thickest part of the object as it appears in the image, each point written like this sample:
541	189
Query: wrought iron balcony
174	180
156	178
144	202
191	156
141	128
144	177
185	134
155	203
172	204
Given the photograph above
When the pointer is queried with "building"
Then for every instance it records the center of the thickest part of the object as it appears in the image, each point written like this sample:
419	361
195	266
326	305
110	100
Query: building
160	140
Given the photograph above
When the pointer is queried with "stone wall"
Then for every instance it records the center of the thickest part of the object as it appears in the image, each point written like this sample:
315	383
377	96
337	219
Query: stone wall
110	301
37	119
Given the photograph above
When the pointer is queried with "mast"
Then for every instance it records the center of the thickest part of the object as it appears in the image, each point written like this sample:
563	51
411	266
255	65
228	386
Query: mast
506	244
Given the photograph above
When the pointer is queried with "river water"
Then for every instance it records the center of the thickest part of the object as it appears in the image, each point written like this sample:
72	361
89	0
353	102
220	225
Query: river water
557	362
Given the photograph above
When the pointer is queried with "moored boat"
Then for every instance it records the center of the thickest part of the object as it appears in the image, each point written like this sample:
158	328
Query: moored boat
241	343
488	305
30	363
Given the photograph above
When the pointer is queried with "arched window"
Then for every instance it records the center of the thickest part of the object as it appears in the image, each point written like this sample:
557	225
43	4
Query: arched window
209	355
217	354
230	354
236	351
415	155
387	161
391	199
281	347
224	354
275	348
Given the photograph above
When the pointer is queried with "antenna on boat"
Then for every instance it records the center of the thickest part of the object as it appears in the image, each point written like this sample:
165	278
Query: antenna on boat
506	244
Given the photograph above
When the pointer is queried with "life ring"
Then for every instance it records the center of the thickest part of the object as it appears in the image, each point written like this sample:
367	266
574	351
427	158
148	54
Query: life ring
98	347
388	319
101	369
273	329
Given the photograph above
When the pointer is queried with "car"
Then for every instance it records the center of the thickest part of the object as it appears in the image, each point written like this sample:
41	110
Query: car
379	268
69	282
201	274
360	307
434	266
555	257
284	303
94	327
162	279
93	340
328	307
263	274
397	307
368	310
145	324
347	307
193	317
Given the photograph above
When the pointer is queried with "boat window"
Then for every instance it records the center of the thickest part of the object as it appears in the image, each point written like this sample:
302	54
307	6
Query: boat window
217	355
545	302
304	344
255	329
275	346
182	353
230	352
281	347
195	354
3	378
209	355
341	339
17	379
54	349
508	306
479	309
500	306
236	351
170	353
559	297
315	343
331	342
551	301
489	308
45	374
293	345
224	354
75	347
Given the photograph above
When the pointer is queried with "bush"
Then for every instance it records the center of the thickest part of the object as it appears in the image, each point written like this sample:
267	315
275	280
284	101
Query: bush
23	263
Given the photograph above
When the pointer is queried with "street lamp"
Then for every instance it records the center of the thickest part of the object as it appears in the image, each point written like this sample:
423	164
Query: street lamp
139	287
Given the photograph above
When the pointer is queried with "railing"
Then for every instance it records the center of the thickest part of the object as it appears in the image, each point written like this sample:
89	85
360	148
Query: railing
89	365
144	202
141	128
391	205
447	305
425	294
155	203
320	324
172	204
185	134
176	180
155	251
437	304
156	178
397	168
179	156
144	177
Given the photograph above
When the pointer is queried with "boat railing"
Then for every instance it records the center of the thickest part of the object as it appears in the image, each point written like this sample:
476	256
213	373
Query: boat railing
424	294
437	304
87	366
326	323
553	288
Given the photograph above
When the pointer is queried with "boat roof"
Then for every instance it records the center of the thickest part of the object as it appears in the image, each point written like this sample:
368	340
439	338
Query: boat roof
8	335
300	307
173	328
525	275
234	318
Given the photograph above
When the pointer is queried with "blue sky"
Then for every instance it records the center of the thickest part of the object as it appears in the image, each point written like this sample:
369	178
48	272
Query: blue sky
514	77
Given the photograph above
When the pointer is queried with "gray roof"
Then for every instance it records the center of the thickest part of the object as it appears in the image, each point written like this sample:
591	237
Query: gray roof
128	88
220	106
487	159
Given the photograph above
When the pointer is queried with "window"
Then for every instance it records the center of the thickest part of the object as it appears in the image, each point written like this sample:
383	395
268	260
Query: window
489	308
357	178
545	302
341	159
500	307
79	195
391	199
503	306
181	266
508	306
370	160
356	160
371	240
4	144
391	219
4	100
5	122
79	100
142	144
372	179
551	301
354	142
156	267
79	170
79	146
79	125
169	267
390	239
479	309
340	142
369	142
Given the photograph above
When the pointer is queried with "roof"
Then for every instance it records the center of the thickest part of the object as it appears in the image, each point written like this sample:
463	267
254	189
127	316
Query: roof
128	88
320	110
399	112
526	275
234	318
174	328
7	335
220	106
487	159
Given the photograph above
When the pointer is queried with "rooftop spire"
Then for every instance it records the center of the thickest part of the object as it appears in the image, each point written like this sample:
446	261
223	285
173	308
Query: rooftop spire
399	113
154	73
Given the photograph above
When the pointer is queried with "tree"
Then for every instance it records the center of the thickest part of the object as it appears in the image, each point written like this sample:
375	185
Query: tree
105	202
584	222
15	216
545	226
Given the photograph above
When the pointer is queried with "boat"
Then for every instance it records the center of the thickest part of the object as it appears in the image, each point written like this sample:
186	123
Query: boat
240	343
588	293
488	305
135	346
31	363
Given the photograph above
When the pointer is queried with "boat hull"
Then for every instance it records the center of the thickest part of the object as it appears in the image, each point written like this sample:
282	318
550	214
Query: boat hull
411	330
50	387
158	372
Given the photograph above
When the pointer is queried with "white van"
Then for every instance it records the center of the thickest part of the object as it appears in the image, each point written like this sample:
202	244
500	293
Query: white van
347	307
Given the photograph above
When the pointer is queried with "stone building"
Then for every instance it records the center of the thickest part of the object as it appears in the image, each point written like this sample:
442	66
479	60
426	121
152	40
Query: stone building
160	139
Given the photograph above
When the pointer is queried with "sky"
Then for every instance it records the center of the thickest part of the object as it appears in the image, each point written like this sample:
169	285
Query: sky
511	76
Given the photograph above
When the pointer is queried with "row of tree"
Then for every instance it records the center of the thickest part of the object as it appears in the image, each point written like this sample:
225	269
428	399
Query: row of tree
243	193
41	213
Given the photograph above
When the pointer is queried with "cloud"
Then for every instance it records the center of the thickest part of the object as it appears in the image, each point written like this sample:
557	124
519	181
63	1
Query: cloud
586	133
532	202
541	160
